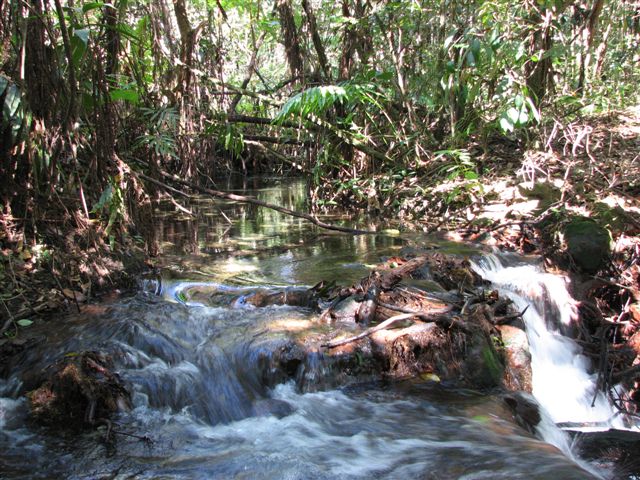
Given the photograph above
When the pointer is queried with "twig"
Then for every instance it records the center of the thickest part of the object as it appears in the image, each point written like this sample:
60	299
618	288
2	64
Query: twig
9	321
427	316
370	331
628	373
506	318
180	207
466	305
331	306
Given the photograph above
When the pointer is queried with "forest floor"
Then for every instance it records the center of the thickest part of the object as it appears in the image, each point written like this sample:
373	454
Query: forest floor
523	201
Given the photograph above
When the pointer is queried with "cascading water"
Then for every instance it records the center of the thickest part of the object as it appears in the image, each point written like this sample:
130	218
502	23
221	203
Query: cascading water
207	390
561	379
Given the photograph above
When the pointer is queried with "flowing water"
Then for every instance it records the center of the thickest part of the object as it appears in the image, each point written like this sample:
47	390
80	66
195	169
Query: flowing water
208	395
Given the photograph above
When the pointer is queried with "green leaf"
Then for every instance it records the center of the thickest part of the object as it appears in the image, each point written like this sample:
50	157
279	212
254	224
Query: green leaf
79	43
471	59
532	108
4	83
105	199
82	34
513	114
519	100
125	94
523	117
24	322
506	125
91	6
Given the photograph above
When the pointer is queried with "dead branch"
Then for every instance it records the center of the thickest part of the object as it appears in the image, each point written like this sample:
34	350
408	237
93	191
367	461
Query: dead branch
395	275
627	374
507	318
426	316
370	331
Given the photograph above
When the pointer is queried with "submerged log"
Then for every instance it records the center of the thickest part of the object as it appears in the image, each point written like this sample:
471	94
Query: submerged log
81	391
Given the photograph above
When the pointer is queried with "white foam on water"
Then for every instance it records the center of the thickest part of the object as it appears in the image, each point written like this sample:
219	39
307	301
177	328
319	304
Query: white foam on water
562	383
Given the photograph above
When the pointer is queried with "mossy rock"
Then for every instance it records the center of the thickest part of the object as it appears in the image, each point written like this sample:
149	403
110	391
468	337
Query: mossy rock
546	192
588	244
614	218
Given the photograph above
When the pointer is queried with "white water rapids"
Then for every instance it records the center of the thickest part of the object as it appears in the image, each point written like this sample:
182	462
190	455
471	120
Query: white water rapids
562	383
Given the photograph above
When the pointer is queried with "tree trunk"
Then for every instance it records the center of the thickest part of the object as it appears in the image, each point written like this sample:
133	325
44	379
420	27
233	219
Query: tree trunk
290	37
539	73
315	37
588	35
348	44
187	45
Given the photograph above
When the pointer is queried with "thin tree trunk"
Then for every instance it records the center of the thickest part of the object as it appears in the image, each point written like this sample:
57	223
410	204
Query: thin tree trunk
290	37
66	42
250	69
539	73
589	35
187	45
348	44
315	37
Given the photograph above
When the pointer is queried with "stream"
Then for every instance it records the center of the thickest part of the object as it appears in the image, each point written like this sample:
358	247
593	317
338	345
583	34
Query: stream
207	395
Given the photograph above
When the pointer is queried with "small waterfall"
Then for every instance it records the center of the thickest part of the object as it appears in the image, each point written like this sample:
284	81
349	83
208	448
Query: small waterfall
562	383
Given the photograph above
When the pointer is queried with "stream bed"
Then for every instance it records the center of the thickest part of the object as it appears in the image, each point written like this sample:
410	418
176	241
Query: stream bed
209	401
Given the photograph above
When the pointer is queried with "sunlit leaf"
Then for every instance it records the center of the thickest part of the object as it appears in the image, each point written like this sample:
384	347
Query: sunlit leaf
506	125
534	111
24	322
513	114
91	6
82	34
11	101
124	94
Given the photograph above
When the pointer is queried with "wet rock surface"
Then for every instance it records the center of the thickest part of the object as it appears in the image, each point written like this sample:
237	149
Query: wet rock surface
518	374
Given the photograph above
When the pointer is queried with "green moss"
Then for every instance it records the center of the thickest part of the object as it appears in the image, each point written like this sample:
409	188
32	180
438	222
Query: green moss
588	243
493	365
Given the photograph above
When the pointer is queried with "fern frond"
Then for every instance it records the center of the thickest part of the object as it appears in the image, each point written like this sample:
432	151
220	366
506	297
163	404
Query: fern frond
316	101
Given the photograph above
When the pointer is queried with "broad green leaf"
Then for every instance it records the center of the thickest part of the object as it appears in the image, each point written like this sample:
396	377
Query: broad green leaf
523	117
449	40
471	59
513	114
92	6
3	84
124	94
105	199
532	108
519	100
82	34
79	43
506	125
24	322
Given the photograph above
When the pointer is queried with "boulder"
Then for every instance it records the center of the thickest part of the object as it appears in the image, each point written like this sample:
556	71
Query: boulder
517	373
587	243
